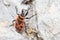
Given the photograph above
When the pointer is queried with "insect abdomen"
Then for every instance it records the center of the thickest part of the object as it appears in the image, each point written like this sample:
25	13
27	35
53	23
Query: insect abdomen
19	24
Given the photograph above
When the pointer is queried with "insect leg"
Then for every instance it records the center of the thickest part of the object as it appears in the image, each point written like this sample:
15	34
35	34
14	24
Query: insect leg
13	20
30	17
11	25
25	25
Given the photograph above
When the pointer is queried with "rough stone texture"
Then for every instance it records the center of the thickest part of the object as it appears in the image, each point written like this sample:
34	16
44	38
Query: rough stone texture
48	19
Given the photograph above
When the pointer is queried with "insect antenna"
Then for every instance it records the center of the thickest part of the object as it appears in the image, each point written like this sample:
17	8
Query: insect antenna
16	10
13	16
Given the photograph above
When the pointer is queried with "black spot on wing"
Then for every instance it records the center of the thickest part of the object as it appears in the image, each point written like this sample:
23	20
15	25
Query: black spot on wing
19	21
21	26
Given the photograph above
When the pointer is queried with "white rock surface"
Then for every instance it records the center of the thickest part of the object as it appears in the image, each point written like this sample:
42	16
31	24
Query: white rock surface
48	19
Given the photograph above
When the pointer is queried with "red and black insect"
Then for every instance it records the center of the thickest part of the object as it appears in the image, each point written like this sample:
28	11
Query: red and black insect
19	21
